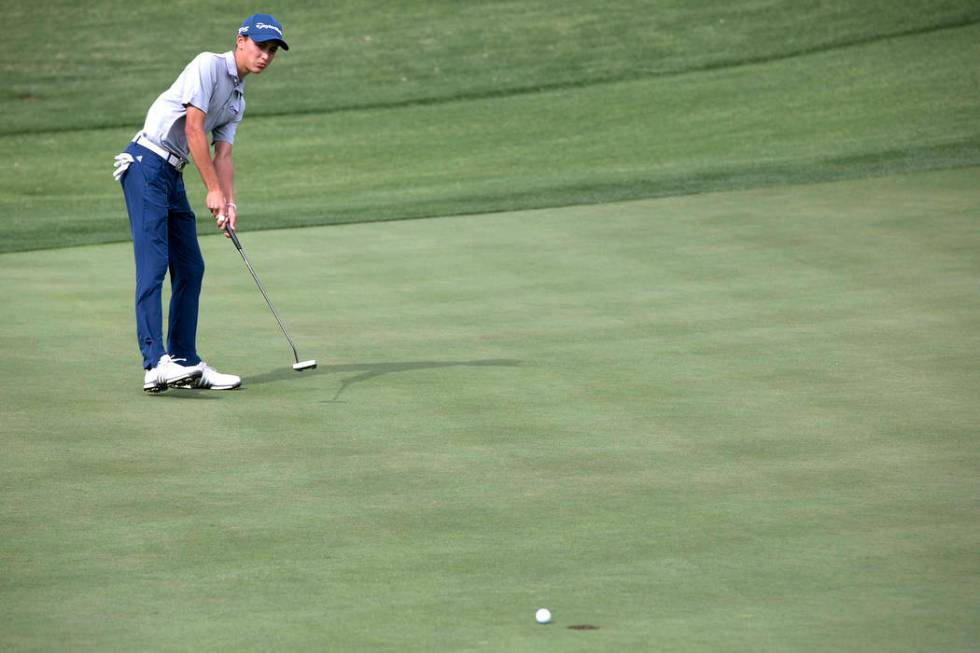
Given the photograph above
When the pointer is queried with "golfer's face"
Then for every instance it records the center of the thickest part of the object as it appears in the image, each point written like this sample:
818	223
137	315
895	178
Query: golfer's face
258	55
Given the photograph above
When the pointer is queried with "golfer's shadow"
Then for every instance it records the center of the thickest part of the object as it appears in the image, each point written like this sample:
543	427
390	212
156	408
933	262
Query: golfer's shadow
368	371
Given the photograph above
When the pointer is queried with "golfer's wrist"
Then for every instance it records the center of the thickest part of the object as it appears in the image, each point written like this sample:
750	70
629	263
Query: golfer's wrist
231	205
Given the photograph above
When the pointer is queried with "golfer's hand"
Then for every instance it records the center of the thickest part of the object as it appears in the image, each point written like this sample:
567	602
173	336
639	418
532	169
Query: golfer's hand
215	201
230	218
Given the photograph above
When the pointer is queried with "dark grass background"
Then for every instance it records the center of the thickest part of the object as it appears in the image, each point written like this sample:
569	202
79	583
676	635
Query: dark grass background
387	111
104	61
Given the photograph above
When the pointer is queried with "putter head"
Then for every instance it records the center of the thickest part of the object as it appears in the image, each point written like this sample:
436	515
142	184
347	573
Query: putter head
304	365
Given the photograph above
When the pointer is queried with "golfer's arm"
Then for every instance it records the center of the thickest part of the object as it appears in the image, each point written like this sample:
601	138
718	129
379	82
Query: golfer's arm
197	144
225	170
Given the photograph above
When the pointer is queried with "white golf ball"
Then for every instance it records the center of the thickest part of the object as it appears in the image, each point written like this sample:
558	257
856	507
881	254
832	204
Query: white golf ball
543	616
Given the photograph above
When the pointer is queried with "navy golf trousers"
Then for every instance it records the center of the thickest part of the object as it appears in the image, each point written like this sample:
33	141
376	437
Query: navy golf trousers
164	237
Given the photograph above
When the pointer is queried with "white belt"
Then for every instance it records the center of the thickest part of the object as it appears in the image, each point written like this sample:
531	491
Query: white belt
171	158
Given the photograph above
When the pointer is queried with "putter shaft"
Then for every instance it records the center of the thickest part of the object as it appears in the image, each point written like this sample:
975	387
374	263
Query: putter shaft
238	246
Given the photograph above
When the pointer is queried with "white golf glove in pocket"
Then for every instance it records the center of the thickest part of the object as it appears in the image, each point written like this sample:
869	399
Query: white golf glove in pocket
123	161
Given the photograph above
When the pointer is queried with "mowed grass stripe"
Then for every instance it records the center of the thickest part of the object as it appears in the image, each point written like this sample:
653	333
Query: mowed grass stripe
901	105
740	421
549	86
370	54
627	76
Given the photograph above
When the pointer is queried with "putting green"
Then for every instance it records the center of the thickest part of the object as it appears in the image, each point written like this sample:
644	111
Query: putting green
738	421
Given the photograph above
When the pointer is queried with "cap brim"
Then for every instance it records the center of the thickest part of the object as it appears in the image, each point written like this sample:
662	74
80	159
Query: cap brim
263	39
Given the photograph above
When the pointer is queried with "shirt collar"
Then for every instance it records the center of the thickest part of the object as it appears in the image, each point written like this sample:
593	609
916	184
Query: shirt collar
232	68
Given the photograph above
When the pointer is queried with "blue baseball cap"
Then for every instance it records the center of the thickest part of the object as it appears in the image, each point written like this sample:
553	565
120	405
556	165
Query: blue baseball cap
263	27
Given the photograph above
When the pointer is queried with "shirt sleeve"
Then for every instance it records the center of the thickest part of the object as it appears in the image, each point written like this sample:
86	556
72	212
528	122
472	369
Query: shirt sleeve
198	83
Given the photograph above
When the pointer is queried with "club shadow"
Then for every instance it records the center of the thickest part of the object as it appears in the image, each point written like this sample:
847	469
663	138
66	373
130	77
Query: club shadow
367	371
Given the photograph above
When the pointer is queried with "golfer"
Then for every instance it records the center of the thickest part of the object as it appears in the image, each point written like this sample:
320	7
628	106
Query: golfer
207	98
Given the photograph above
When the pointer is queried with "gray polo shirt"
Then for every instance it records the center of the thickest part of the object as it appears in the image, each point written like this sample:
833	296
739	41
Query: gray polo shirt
210	82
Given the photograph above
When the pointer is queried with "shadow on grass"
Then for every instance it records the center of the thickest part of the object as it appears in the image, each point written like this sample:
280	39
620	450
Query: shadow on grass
368	371
182	393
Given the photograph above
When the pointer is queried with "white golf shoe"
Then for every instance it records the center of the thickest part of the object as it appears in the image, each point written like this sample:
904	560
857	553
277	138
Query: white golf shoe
212	379
169	373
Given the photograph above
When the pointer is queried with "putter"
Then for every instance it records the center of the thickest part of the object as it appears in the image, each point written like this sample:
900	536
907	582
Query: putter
299	366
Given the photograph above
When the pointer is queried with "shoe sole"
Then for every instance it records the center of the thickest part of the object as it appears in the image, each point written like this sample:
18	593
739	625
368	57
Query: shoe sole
185	381
190	386
180	382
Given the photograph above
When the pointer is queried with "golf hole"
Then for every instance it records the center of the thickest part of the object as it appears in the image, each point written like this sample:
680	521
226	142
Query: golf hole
583	627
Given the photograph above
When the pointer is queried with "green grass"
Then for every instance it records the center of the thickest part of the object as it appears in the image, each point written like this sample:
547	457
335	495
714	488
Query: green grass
905	104
101	64
718	392
739	421
703	117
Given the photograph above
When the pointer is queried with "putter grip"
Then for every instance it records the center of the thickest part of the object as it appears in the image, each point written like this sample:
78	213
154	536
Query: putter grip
234	238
